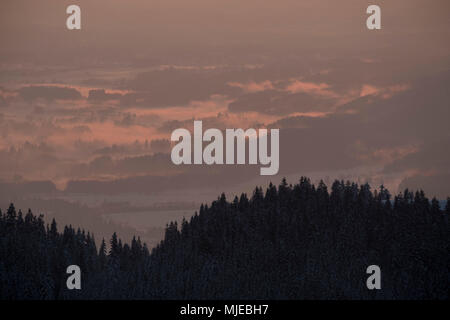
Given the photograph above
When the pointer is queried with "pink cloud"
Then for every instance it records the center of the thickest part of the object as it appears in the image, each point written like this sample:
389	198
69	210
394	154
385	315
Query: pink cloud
252	86
308	87
384	92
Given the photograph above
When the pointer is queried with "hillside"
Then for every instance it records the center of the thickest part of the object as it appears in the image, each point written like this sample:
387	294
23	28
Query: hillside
291	242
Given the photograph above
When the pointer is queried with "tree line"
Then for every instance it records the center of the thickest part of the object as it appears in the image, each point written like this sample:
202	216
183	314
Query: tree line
288	242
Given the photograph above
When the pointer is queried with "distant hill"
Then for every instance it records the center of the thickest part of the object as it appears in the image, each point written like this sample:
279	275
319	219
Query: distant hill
26	188
435	185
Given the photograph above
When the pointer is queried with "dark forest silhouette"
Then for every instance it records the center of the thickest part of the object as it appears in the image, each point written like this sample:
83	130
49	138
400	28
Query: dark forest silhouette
291	242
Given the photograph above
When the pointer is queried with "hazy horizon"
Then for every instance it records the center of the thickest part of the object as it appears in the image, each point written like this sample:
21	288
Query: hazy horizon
91	111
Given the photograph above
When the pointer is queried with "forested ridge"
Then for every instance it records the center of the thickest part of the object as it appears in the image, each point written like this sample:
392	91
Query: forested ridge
288	242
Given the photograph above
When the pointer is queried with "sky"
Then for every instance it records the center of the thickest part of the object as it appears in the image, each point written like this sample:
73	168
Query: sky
92	110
